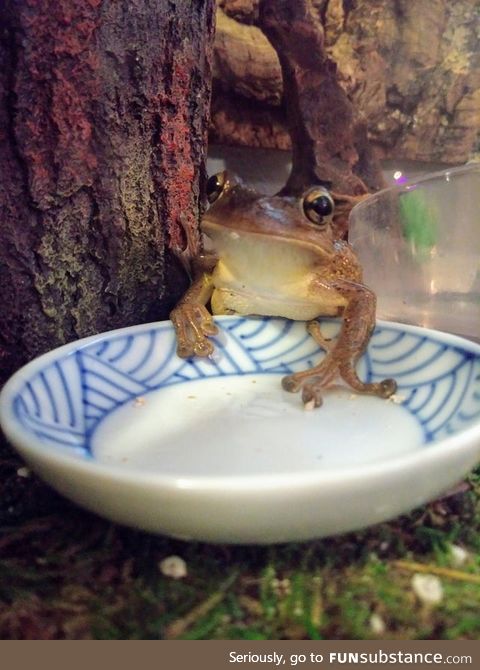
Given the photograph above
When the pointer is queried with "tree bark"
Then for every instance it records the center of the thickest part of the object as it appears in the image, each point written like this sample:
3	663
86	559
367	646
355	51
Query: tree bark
411	68
103	120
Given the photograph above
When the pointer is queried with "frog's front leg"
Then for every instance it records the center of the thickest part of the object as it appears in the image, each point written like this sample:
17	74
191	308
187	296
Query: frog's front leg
192	322
357	327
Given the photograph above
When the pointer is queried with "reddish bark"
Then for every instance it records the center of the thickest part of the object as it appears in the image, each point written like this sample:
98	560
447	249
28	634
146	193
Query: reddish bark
103	117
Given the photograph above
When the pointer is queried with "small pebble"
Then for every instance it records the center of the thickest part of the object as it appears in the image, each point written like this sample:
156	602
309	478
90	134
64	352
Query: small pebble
139	402
23	472
377	624
427	588
458	555
281	587
174	567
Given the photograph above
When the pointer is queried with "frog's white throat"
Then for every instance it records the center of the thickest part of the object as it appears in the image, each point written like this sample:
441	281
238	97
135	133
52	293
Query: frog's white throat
257	274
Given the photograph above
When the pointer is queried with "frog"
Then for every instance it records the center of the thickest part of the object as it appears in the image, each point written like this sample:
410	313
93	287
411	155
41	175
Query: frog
278	256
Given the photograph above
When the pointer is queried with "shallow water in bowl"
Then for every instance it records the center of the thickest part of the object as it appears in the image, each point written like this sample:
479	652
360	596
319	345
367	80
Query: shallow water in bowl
248	425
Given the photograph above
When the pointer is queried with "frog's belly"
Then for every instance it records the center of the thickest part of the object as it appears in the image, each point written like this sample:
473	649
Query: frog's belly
226	301
292	301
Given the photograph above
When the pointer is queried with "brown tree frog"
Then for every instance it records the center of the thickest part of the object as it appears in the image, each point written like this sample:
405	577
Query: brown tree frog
277	256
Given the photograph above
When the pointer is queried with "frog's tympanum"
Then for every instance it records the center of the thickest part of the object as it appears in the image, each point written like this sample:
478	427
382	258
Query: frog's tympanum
277	256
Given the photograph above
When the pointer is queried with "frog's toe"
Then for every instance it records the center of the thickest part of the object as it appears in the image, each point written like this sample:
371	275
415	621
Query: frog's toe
203	347
291	384
194	345
204	321
184	350
387	388
184	339
312	396
209	328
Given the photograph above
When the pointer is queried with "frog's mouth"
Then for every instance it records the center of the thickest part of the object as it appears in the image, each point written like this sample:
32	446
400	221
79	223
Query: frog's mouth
311	241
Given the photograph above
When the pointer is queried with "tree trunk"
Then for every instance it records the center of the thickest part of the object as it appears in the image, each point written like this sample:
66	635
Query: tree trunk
103	118
411	68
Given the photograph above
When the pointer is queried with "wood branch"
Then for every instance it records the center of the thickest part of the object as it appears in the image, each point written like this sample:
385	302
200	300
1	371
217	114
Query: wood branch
412	69
320	117
103	119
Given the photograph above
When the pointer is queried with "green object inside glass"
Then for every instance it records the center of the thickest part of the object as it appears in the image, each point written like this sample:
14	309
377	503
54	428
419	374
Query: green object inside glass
419	221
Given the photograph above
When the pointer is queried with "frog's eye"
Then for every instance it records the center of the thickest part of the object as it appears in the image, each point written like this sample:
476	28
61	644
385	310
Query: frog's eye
318	206
215	186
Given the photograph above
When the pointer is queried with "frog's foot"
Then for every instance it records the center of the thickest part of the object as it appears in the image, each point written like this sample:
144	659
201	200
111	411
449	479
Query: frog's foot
323	376
314	381
383	389
193	325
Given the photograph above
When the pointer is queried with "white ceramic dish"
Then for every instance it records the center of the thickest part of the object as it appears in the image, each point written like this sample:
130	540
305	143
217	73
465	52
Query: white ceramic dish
215	450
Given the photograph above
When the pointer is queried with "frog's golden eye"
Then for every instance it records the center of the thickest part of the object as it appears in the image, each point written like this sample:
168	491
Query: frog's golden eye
318	206
215	185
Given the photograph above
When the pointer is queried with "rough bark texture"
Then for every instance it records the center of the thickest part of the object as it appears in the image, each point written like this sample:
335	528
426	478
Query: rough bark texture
103	117
411	68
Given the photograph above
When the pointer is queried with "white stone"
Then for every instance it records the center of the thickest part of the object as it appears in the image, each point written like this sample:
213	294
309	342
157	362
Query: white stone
377	624
427	588
173	566
458	555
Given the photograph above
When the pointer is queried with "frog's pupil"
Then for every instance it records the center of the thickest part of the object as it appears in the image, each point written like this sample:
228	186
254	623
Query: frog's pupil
322	205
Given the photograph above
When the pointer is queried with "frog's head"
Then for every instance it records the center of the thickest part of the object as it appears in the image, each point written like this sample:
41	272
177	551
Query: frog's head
303	222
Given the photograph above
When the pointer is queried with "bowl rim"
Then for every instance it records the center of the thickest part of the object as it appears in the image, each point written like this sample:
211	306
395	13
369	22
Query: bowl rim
415	181
466	441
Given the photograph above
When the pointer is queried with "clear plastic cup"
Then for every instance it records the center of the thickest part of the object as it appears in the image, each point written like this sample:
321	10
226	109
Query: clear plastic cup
419	246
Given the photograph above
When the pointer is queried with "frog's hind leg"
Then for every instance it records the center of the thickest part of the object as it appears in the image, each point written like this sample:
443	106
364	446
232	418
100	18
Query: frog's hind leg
314	329
343	354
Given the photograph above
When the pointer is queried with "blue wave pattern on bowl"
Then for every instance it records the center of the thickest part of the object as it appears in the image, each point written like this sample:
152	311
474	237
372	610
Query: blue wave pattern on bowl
64	403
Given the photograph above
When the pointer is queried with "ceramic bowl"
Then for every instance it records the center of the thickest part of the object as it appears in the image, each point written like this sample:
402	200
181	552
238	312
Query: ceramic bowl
215	450
427	234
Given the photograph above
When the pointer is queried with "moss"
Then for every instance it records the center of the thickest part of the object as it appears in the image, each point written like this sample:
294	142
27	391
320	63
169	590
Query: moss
72	575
